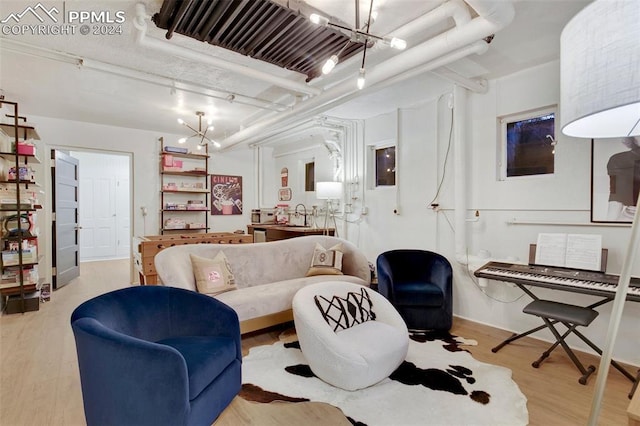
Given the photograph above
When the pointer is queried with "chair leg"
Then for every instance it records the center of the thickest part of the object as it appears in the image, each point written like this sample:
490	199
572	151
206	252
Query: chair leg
546	353
586	372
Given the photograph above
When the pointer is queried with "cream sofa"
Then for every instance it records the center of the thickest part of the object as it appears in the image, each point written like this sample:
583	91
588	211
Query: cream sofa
267	274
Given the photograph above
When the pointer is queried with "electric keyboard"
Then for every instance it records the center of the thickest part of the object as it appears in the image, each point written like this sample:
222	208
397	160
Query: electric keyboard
575	280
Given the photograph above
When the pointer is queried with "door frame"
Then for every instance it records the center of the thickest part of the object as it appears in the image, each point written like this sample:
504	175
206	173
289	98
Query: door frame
48	206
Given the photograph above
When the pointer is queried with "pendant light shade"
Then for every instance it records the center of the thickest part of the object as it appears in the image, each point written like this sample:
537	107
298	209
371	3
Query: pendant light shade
600	71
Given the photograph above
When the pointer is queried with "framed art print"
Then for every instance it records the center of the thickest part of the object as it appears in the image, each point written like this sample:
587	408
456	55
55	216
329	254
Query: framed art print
226	195
615	179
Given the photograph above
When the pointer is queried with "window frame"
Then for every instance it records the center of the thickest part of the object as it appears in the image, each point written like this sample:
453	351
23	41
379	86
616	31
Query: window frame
372	163
306	175
502	123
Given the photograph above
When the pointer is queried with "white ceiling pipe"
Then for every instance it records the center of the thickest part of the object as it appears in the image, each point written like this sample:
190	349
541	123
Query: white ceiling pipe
288	132
346	91
456	9
140	24
475	85
459	168
293	120
499	14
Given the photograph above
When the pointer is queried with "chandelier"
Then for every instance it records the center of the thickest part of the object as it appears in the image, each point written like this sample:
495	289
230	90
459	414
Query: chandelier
200	133
358	35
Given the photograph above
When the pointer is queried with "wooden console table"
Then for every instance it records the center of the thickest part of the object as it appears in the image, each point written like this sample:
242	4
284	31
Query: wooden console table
146	248
283	232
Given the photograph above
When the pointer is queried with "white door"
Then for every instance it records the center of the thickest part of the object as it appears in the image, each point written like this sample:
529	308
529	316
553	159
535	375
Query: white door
65	171
105	206
97	217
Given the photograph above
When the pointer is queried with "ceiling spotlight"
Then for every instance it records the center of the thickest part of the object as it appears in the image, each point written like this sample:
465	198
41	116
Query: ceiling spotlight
318	19
330	64
395	42
361	79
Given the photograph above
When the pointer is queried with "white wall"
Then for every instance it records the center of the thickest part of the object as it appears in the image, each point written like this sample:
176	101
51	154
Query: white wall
559	200
144	148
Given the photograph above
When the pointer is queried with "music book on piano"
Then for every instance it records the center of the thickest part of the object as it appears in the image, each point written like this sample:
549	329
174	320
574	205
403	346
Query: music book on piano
578	251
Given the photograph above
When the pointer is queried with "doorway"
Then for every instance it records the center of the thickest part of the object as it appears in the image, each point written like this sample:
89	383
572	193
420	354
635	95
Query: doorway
104	205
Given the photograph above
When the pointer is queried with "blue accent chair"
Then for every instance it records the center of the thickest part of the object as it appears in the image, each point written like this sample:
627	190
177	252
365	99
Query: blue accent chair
155	355
418	284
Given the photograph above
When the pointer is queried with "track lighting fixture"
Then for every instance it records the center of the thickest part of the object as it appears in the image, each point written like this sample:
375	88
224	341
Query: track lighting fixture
358	34
200	133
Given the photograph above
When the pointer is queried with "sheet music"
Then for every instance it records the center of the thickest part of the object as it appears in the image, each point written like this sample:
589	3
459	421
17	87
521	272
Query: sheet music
551	249
584	251
578	251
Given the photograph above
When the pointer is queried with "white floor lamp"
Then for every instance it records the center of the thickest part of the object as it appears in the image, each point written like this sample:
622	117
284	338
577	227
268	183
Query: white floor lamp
600	98
329	191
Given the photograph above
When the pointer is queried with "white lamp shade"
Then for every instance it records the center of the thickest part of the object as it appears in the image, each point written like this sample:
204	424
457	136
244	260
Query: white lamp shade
600	71
328	190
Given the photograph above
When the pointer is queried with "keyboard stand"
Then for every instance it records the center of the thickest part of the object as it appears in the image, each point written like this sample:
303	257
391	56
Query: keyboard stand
517	336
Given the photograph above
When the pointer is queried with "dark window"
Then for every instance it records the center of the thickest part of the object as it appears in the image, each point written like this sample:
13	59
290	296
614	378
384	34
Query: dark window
530	146
386	166
310	176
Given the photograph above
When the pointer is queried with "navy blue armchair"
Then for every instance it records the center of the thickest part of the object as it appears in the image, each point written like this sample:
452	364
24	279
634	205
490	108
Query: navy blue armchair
154	355
418	284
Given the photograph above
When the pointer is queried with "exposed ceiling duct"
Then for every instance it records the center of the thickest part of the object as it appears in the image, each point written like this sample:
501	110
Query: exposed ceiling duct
261	29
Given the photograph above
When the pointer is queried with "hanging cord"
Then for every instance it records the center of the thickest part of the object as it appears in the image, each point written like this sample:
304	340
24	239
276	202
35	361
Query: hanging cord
366	41
446	161
473	278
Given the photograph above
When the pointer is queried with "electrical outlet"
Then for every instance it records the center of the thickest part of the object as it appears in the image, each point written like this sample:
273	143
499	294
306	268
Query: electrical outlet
365	211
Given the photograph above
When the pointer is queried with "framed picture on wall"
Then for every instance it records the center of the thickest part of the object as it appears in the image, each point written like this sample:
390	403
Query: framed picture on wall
615	179
226	195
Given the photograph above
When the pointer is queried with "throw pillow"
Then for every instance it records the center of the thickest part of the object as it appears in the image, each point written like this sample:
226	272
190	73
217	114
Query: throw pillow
213	276
345	312
326	261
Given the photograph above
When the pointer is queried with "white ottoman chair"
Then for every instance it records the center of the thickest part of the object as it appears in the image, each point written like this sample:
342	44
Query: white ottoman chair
351	336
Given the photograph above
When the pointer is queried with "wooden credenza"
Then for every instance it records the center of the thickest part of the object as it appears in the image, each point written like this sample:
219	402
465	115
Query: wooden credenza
283	232
146	248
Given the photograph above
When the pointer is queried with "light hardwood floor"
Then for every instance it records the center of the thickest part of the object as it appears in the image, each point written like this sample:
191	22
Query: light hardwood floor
40	385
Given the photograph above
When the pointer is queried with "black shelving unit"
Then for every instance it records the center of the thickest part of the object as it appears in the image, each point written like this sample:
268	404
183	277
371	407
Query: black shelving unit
190	182
22	295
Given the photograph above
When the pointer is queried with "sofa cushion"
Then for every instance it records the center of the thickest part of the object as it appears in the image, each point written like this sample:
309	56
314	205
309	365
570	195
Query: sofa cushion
213	276
345	311
418	294
326	261
257	301
206	357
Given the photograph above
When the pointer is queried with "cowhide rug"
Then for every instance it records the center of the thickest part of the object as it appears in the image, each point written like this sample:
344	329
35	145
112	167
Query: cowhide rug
438	384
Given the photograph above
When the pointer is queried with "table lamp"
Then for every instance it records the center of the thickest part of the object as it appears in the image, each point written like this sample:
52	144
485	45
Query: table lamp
600	98
329	191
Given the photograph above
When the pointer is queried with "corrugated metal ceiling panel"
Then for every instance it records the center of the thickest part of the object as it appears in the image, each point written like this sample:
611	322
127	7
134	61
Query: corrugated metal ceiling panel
260	29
